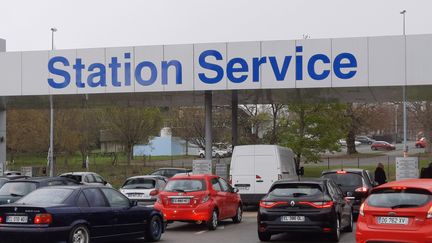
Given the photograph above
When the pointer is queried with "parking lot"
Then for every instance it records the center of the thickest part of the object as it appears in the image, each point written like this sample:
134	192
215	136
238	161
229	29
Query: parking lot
228	232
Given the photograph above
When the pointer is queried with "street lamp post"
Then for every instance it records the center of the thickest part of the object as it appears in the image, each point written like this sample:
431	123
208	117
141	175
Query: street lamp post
51	147
403	12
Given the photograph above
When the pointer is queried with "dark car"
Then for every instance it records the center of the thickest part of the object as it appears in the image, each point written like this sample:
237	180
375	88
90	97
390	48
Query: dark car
364	139
355	183
170	172
78	214
5	179
382	145
13	190
309	206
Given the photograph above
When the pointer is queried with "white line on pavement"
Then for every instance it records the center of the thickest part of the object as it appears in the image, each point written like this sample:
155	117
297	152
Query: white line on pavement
200	232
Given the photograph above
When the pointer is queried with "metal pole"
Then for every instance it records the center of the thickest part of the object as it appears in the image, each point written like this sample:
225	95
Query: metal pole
404	96
208	124
51	148
234	118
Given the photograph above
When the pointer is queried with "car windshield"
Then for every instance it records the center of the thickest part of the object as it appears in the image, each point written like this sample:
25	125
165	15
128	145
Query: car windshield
17	189
46	196
345	179
139	183
295	190
397	198
73	177
185	185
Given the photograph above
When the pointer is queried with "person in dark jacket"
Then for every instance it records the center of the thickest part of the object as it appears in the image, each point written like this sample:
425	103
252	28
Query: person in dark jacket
380	175
426	172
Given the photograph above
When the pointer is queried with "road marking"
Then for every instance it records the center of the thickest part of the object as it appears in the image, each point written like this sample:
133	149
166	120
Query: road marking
220	227
200	232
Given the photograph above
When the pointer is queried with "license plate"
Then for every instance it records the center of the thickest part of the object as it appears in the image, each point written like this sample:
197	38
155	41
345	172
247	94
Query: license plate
180	200
243	188
293	218
16	219
393	220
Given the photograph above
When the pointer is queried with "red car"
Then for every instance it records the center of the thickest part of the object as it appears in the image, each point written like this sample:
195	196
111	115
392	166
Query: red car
382	145
421	143
399	211
201	199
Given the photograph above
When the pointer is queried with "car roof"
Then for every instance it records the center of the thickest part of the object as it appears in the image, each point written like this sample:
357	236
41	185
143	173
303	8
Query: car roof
193	176
78	173
413	183
38	179
349	170
302	180
148	176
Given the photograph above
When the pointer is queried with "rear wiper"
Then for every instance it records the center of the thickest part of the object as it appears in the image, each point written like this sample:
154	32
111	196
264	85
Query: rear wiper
299	194
404	206
179	190
16	195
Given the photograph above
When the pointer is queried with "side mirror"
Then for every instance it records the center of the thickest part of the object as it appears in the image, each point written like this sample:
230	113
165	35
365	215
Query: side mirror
104	182
300	171
154	192
349	198
133	203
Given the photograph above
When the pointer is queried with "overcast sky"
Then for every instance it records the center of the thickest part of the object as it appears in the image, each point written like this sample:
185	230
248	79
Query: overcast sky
25	24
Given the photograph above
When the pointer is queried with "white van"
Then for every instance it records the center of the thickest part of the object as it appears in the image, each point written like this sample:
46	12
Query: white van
254	168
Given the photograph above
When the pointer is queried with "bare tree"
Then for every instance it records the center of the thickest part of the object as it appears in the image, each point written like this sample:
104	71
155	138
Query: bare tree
422	111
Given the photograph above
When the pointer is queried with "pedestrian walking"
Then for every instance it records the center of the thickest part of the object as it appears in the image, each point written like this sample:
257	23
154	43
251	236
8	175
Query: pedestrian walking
380	175
426	172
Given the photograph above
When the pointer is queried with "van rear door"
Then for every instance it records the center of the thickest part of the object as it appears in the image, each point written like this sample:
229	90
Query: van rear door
266	168
243	173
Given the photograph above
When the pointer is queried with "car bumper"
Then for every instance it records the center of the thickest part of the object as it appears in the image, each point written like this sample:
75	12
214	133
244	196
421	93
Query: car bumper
43	234
200	213
364	234
251	199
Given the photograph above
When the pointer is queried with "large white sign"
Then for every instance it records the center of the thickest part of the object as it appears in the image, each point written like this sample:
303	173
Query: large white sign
202	166
407	168
321	63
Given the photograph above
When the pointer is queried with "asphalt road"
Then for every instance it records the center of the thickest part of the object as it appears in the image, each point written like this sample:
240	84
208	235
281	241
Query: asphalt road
227	232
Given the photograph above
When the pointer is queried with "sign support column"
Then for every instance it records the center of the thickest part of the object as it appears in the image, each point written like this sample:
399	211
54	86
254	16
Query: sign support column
2	123
208	104
234	118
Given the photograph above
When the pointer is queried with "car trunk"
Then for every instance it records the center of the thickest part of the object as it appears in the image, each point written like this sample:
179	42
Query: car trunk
182	199
20	215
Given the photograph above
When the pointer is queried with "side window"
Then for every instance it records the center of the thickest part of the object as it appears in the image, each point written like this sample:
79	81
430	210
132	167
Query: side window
215	184
159	172
162	184
82	201
90	179
330	190
99	179
370	177
334	191
95	197
56	183
115	198
224	185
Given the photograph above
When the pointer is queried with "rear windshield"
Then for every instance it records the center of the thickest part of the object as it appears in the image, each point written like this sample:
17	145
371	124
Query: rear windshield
139	183
46	196
397	198
295	190
17	189
2	182
185	185
73	177
346	179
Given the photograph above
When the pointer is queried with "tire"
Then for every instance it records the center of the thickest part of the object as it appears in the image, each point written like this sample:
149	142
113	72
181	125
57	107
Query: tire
264	236
201	156
79	234
213	221
374	148
239	215
154	230
350	226
335	234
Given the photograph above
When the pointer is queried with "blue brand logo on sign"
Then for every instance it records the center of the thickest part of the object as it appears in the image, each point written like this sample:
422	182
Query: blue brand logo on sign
237	70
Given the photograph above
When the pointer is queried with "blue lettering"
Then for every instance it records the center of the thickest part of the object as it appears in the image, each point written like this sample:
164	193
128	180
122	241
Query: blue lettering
299	63
311	66
153	73
178	68
214	67
114	65
97	75
78	72
55	71
280	74
256	63
127	70
231	70
338	65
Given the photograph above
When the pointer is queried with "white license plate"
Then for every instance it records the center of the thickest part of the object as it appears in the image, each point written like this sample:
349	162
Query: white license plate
293	218
393	220
16	219
243	188
180	200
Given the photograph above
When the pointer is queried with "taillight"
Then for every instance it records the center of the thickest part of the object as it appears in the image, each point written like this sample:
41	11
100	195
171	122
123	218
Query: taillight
158	200
44	218
326	204
154	193
361	210
341	172
268	204
399	188
428	216
258	178
1	220
362	189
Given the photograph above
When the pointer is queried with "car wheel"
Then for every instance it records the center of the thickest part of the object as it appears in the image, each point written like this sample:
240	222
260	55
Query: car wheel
264	236
154	230
239	215
335	235
374	148
213	221
418	146
79	234
350	225
201	156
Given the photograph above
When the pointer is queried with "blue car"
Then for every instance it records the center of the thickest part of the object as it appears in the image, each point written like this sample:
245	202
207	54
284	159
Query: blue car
78	214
